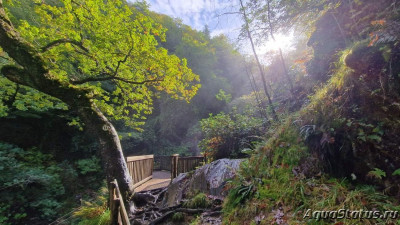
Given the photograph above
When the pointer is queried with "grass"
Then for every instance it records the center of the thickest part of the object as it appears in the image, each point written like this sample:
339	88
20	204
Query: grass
280	195
178	217
199	201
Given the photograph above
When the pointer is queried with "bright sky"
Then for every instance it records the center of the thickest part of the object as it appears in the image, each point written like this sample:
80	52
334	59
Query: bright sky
198	13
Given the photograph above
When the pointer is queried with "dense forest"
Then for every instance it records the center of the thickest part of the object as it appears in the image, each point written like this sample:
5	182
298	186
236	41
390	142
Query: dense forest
86	83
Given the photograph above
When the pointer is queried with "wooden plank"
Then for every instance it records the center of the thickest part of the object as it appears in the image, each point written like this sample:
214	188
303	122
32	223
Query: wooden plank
136	172
139	166
192	157
152	167
140	157
140	177
145	172
142	181
174	165
131	169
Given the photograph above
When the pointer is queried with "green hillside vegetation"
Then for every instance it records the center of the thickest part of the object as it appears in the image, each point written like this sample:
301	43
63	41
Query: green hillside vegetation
339	150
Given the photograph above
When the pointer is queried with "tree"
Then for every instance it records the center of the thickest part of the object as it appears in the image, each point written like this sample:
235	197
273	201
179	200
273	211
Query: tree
100	58
267	15
246	28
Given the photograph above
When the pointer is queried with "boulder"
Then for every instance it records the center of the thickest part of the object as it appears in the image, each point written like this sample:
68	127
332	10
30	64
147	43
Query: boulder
210	179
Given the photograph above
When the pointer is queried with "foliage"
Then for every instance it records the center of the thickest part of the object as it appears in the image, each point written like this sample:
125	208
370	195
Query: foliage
88	165
222	96
111	49
31	187
225	135
239	194
94	211
16	97
219	66
396	172
377	173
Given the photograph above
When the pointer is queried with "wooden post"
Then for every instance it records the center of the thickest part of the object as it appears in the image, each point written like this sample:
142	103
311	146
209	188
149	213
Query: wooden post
113	205
174	166
118	213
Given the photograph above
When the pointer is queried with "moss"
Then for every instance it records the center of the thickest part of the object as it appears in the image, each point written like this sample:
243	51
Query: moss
198	201
178	217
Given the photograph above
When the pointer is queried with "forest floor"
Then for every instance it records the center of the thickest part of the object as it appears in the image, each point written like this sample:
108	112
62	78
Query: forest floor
160	179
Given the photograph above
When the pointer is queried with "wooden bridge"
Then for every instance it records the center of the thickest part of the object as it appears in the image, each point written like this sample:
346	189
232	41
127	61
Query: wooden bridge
149	172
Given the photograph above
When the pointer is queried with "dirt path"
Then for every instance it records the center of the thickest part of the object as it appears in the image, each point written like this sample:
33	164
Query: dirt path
160	179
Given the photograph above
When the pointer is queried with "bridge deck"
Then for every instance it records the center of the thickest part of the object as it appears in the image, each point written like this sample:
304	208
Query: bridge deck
160	179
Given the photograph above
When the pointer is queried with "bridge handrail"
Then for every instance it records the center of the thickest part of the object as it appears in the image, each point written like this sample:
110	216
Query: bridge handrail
118	212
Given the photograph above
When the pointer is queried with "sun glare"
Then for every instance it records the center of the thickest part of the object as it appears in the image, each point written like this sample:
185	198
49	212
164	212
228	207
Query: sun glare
283	42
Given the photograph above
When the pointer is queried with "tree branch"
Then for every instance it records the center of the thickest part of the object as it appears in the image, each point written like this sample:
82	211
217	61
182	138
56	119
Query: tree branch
93	79
14	74
122	61
63	41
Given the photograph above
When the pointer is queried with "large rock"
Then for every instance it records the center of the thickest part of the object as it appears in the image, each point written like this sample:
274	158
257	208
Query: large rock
210	178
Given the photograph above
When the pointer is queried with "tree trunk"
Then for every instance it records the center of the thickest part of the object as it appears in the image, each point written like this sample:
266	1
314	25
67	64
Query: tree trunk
253	84
271	30
33	72
258	62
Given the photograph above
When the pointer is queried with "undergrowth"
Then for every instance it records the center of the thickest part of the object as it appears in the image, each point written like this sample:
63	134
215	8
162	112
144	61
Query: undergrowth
94	212
268	192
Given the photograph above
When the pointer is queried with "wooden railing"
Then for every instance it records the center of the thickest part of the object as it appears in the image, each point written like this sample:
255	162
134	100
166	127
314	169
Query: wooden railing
184	164
162	162
117	207
140	168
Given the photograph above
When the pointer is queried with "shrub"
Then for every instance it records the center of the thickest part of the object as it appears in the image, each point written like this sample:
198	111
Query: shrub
225	135
31	190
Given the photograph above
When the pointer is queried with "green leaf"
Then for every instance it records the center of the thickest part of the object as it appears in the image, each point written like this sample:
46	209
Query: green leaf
396	172
374	137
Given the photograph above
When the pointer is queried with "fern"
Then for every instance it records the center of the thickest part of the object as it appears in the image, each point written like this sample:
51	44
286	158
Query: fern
377	173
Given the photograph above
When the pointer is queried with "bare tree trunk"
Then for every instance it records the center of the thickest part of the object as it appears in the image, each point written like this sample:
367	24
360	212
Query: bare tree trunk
258	62
271	30
254	86
33	72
